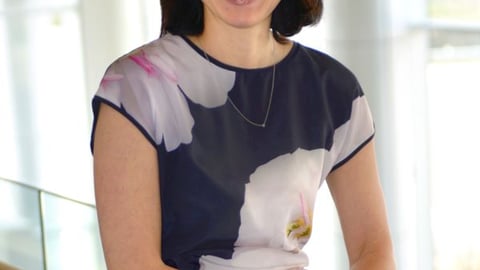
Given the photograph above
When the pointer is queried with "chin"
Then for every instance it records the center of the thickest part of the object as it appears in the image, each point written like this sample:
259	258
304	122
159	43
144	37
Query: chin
241	13
243	21
242	24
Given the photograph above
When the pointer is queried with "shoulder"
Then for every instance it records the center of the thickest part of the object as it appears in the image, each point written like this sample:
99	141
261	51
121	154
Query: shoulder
152	55
143	85
145	68
330	72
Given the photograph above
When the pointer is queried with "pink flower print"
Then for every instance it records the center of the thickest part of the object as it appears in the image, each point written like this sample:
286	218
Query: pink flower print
165	68
159	68
141	60
301	228
305	210
108	78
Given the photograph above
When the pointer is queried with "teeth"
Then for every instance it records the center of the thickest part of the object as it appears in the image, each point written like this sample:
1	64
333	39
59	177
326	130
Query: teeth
240	2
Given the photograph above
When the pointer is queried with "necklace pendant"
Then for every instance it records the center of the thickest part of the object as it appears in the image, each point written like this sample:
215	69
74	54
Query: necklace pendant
272	88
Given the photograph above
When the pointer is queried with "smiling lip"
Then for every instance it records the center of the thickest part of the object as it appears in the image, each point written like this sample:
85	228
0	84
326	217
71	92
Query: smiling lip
239	2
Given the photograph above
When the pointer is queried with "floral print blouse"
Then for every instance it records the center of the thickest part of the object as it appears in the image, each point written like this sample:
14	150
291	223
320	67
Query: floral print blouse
235	195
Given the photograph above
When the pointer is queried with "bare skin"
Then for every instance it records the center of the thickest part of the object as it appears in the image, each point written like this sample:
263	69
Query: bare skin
127	194
358	197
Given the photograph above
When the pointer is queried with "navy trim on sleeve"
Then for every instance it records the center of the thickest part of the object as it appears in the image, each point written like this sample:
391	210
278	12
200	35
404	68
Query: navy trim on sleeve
97	101
354	152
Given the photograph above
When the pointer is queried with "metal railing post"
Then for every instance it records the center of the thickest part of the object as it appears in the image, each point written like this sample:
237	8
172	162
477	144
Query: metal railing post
42	230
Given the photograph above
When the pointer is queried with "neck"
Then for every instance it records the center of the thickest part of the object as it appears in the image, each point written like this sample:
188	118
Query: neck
245	47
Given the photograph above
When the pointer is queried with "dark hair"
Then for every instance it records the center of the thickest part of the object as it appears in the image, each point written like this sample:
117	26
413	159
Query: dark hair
185	17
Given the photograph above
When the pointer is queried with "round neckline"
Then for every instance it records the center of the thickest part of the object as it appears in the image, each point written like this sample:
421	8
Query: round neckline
221	64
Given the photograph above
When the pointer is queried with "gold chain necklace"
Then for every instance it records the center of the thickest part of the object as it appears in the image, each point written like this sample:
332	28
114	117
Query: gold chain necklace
272	88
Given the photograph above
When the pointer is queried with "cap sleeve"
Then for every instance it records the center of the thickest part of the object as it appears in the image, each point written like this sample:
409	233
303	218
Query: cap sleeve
147	94
355	133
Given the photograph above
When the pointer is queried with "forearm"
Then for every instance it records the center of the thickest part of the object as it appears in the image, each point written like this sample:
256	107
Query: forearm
374	261
167	268
137	264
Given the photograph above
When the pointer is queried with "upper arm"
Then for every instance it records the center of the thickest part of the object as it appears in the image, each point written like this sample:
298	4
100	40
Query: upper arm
356	191
127	193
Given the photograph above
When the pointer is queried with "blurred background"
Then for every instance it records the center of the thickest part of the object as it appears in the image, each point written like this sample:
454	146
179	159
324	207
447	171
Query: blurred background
417	60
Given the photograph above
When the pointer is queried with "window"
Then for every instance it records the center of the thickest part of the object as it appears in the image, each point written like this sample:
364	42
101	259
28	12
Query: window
44	102
453	89
44	123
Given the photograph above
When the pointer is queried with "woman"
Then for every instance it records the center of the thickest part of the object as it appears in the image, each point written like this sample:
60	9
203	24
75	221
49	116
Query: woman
211	142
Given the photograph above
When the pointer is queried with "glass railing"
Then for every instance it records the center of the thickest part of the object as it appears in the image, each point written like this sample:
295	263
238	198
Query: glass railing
40	230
